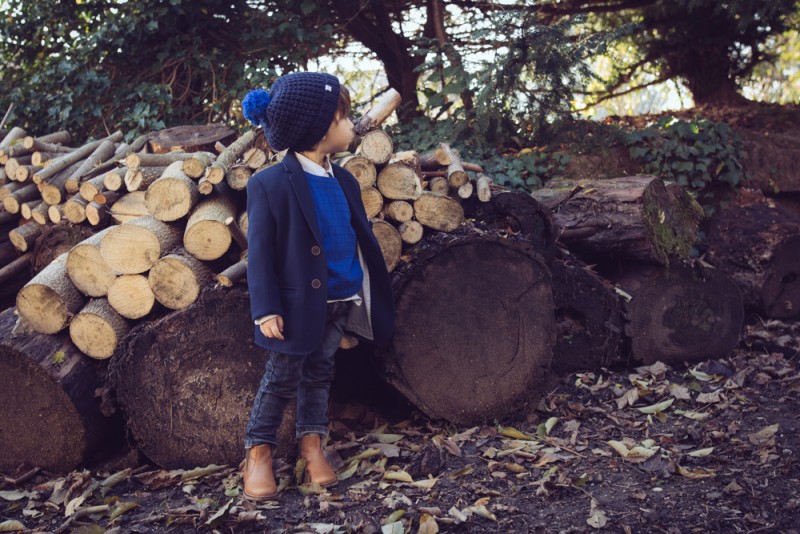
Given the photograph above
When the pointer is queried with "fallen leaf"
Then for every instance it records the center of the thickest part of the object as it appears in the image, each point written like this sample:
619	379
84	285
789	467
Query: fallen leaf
511	432
763	435
11	526
393	528
14	495
399	476
699	453
658	407
696	473
427	525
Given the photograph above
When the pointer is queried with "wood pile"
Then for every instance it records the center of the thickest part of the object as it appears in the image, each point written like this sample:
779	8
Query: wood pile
494	288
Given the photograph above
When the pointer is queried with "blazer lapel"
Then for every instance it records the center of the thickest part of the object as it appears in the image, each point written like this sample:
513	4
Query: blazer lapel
299	182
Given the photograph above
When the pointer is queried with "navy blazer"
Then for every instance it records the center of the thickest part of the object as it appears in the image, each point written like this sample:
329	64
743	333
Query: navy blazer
286	267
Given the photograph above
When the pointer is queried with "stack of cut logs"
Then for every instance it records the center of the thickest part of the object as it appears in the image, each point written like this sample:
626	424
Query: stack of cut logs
166	207
493	288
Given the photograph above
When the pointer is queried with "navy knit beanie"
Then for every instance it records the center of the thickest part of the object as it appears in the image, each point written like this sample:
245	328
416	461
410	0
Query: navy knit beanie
297	111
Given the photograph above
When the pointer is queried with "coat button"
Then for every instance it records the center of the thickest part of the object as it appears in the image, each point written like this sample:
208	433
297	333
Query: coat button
315	283
315	250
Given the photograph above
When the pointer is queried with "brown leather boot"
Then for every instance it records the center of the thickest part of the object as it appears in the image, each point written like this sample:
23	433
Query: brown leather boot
317	467
259	482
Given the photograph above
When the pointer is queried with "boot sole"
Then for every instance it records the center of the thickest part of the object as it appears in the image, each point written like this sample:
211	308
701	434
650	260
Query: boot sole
260	498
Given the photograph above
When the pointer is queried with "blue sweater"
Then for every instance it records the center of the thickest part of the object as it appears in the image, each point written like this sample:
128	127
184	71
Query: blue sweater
338	236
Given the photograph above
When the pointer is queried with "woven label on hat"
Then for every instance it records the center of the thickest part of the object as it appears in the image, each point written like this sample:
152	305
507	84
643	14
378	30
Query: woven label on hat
328	88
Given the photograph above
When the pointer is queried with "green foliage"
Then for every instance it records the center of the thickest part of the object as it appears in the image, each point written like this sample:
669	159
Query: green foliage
699	154
90	67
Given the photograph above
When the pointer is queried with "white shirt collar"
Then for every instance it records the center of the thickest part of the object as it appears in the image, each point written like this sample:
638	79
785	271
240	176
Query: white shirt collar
313	167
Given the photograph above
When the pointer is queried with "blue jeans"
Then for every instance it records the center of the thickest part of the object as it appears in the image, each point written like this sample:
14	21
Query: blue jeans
306	376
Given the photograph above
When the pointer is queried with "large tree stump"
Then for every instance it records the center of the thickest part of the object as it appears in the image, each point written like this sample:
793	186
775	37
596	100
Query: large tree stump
475	327
680	313
51	415
187	381
759	247
636	217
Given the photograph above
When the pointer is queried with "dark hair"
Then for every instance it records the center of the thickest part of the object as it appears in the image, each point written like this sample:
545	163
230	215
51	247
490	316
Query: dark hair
343	106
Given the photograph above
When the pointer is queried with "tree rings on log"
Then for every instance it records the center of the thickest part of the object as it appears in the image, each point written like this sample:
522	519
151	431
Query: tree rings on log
438	211
50	299
207	237
390	242
86	267
680	313
361	168
177	279
376	146
51	416
173	195
135	246
399	181
187	381
475	327
97	329
372	200
131	296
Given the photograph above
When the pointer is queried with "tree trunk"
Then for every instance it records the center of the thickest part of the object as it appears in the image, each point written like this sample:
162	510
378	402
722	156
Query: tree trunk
636	217
759	247
52	415
475	327
679	313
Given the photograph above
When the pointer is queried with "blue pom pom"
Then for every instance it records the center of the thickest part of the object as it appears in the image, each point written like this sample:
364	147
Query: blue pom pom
254	106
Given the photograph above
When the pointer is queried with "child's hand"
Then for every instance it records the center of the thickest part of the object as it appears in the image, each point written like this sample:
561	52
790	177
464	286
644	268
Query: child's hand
273	327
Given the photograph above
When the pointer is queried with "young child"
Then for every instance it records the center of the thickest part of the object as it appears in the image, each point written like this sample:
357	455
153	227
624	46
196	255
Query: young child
314	269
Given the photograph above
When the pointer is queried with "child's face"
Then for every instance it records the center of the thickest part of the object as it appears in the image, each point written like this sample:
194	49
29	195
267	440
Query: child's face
339	136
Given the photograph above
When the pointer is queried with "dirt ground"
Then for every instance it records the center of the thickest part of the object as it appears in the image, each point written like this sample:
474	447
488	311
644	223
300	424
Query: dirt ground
708	447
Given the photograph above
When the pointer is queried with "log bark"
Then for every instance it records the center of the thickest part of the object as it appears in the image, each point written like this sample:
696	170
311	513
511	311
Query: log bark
97	329
438	211
50	299
173	195
379	112
72	157
48	393
636	217
254	158
130	295
177	279
196	166
207	237
187	381
101	154
233	274
217	171
759	247
191	138
141	178
684	312
456	175
12	202
135	246
24	236
87	269
475	326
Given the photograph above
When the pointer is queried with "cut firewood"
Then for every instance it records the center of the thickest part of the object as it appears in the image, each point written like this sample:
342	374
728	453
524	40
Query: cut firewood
48	391
114	179
54	191
91	187
177	278
465	191
438	211
400	211
129	207
42	158
26	208
191	138
679	313
40	213
86	267
57	138
75	209
456	175
361	168
759	247
636	217
372	200
379	112
50	299
483	185
254	158
237	177
376	146
237	233
97	329
98	212
217	171
55	213
15	135
410	232
389	241
120	154
140	179
72	157
12	202
101	154
13	163
233	274
135	246
196	166
457	347
25	172
438	184
24	236
136	160
207	237
399	181
173	195
130	295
